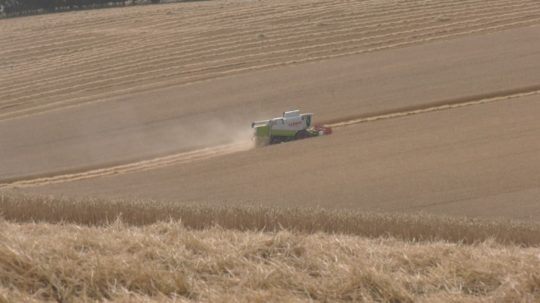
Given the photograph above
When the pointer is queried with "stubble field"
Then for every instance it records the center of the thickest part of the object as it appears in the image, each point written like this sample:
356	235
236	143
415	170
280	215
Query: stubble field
56	60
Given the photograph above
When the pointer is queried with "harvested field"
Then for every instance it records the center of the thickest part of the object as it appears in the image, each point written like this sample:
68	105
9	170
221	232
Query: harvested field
65	59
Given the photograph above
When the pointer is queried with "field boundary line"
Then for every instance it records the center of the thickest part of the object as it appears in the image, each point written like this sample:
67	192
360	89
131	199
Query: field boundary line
143	165
437	106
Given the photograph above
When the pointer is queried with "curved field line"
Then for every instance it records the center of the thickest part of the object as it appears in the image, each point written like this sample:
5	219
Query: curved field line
211	152
179	158
439	106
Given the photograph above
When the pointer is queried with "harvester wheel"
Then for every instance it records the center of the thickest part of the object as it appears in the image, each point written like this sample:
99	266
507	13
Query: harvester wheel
303	134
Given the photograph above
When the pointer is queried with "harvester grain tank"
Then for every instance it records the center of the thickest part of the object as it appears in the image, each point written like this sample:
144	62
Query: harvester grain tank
291	126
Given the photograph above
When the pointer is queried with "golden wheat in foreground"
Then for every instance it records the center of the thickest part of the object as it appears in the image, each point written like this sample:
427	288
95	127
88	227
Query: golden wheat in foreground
67	251
167	262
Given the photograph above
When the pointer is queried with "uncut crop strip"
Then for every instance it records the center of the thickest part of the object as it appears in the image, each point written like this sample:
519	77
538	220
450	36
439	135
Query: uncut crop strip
189	46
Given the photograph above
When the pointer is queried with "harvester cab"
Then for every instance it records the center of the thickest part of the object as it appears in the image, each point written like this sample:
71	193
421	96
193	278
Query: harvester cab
291	126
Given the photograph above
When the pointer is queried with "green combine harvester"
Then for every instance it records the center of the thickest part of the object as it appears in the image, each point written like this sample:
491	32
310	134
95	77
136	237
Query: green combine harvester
291	126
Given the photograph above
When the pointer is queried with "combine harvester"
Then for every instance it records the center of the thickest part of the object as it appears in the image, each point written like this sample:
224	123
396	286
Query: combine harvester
291	126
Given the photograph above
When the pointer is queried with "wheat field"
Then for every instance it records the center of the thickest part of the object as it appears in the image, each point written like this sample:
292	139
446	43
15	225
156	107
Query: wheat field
407	227
104	197
146	251
166	262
